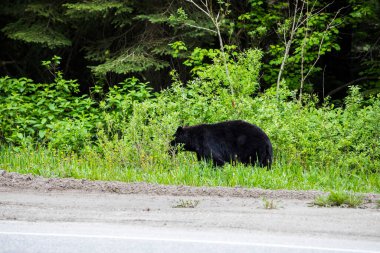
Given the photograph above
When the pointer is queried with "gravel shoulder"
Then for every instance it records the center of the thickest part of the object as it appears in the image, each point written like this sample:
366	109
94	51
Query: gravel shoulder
16	181
26	198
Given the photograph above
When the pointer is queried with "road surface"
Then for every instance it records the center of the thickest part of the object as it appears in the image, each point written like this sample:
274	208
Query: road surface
40	219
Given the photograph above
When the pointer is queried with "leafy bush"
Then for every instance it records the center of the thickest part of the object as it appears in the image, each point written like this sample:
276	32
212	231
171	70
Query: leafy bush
53	114
35	112
243	69
117	106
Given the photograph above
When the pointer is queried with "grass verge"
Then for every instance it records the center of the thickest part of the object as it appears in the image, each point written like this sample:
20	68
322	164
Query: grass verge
184	170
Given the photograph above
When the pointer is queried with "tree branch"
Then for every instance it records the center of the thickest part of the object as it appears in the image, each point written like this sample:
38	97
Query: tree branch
321	43
200	8
201	28
352	82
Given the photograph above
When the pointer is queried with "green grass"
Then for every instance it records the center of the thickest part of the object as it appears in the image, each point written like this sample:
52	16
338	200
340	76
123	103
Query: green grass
183	170
341	199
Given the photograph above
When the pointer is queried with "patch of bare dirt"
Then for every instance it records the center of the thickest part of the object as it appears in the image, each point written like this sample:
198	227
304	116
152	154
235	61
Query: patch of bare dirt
18	181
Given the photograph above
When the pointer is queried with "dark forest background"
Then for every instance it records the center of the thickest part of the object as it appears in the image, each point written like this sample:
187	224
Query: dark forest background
104	42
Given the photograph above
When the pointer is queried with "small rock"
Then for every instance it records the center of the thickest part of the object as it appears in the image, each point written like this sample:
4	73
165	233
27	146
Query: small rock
2	172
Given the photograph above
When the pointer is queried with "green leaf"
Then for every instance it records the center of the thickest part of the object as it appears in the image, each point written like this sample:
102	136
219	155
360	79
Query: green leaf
51	106
41	133
20	136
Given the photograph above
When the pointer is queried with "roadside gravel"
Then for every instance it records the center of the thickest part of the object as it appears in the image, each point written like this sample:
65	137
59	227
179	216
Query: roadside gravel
19	181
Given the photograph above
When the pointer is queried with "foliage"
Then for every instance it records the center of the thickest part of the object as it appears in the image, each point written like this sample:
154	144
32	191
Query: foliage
33	111
36	23
311	40
341	199
120	39
365	19
52	112
244	68
117	106
125	134
36	33
116	36
125	62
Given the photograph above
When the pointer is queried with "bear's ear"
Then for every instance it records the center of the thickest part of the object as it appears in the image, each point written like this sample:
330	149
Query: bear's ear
179	129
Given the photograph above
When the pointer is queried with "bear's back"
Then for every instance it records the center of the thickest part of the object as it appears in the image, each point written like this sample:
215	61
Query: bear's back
237	127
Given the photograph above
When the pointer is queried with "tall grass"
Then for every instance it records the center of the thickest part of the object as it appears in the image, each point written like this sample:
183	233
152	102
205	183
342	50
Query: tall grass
184	170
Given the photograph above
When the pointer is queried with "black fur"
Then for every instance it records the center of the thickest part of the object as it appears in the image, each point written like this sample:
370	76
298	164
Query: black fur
226	141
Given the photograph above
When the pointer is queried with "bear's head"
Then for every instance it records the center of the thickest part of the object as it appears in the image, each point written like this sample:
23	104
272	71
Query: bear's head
180	137
186	138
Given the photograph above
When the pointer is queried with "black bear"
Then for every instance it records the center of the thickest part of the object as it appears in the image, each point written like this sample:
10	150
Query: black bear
227	141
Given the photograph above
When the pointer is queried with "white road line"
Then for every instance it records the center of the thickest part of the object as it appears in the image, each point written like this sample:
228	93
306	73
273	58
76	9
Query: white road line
190	241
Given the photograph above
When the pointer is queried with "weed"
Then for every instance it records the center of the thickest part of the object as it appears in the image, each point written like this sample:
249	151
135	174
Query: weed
341	199
269	203
186	203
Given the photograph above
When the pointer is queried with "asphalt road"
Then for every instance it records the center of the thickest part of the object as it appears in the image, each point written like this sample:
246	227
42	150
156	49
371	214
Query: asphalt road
77	221
31	237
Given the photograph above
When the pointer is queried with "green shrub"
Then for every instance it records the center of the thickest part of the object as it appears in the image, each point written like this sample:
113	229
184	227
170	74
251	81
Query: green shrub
32	111
53	113
117	105
243	69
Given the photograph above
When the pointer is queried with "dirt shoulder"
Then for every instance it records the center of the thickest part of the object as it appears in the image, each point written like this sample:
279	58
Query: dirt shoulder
17	181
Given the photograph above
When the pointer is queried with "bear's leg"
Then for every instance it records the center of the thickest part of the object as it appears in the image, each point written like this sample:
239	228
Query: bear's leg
265	158
209	154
